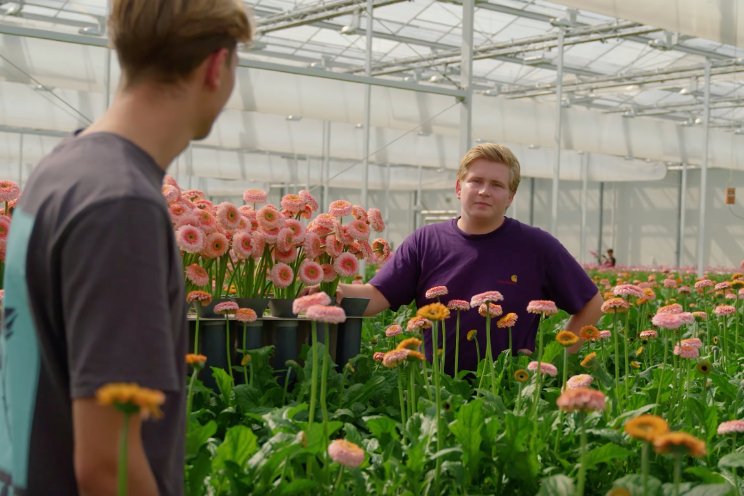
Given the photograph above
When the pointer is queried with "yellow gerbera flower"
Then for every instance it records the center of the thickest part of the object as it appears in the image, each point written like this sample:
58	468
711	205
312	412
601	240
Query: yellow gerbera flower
434	311
567	338
646	427
131	398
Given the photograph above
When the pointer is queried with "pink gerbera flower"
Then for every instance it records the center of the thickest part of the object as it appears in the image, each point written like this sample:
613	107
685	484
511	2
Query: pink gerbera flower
730	427
627	290
381	250
359	230
281	275
648	334
333	246
292	203
580	380
171	193
374	216
721	286
269	218
9	191
202	297
605	334
416	324
254	196
215	245
393	358
301	304
226	307
285	239
190	239
581	400
228	215
458	305
308	199
545	368
667	320
358	212
393	330
378	356
245	315
670	283
703	283
673	308
490	310
436	292
311	273
197	275
487	296
684	290
615	305
323	313
259	244
339	208
722	310
694	342
4	226
686	351
242	245
312	245
206	220
298	230
329	273
286	256
544	307
346	264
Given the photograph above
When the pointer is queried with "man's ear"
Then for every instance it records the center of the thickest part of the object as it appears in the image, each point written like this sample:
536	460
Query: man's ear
458	188
213	67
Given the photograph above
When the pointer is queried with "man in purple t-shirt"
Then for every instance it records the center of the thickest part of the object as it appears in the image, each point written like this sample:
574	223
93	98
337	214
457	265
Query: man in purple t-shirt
482	250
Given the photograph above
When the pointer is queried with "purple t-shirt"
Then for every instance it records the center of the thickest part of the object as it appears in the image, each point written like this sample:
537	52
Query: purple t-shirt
524	263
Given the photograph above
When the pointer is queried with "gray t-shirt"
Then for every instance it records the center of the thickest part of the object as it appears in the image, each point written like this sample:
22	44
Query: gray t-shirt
94	295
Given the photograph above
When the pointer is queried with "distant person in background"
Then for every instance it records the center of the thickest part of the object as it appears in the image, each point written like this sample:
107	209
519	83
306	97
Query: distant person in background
483	250
609	259
94	282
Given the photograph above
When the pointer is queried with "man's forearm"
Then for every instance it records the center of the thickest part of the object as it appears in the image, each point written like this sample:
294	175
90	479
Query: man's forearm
377	302
589	315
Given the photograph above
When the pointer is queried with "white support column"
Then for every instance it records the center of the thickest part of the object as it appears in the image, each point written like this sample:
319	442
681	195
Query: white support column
682	215
367	105
466	76
704	175
325	171
584	188
558	137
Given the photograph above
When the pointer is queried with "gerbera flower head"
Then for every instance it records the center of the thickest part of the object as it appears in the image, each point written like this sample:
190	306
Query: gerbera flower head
329	273
433	311
704	366
393	330
615	305
301	304
202	297
345	453
395	357
702	284
730	427
543	307
170	193
472	333
281	275
417	324
292	203
628	290
378	356
226	307
669	283
521	375
381	250
686	351
672	308
228	215
346	264
9	191
312	245
359	230
254	196
581	400
311	273
679	443
605	334
409	344
215	245
648	334
131	398
197	275
339	208
436	292
269	218
485	297
545	368
694	342
245	315
196	361
323	313
508	320
667	320
589	361
458	305
646	427
579	380
589	333
489	309
309	200
190	239
566	338
374	216
723	310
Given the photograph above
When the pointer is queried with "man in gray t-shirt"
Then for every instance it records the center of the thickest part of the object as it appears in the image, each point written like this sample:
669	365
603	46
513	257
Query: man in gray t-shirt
94	280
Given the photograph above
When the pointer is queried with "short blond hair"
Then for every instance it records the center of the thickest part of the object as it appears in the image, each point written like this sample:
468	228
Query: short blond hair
493	153
166	40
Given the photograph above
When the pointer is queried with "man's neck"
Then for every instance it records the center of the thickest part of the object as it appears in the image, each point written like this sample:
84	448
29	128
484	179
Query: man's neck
156	123
468	226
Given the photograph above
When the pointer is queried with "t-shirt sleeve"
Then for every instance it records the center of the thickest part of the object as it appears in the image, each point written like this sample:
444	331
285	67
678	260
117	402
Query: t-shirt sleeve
567	283
114	273
398	278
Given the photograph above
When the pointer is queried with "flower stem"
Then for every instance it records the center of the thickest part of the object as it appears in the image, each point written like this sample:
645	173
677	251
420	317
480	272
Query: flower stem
245	348
313	374
457	343
196	334
644	467
400	398
412	388
324	384
677	473
228	350
123	478
190	394
582	457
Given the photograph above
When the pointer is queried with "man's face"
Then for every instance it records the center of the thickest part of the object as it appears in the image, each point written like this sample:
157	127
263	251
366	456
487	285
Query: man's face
484	191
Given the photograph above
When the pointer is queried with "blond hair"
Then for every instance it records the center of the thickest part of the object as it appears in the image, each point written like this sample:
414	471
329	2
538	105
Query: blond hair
166	40
492	153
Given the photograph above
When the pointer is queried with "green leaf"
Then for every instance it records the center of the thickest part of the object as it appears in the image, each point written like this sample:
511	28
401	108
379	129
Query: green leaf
316	443
382	427
633	413
732	460
239	444
606	453
556	485
197	435
224	384
706	475
297	486
197	472
709	490
467	428
634	484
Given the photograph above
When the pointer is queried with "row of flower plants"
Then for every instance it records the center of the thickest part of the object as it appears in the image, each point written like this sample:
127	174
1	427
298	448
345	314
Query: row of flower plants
9	194
648	402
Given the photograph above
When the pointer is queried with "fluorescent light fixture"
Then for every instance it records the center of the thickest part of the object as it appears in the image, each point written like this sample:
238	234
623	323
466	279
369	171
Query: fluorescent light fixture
294	117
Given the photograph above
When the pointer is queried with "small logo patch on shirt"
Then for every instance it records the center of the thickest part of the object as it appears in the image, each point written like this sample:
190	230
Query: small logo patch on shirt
514	278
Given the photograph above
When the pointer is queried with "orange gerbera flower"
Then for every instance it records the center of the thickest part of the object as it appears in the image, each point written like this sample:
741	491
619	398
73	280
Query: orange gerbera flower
679	443
566	338
196	360
508	320
409	344
434	311
588	361
521	375
589	333
131	398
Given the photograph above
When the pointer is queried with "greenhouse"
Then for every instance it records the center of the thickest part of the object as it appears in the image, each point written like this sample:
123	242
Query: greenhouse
425	247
